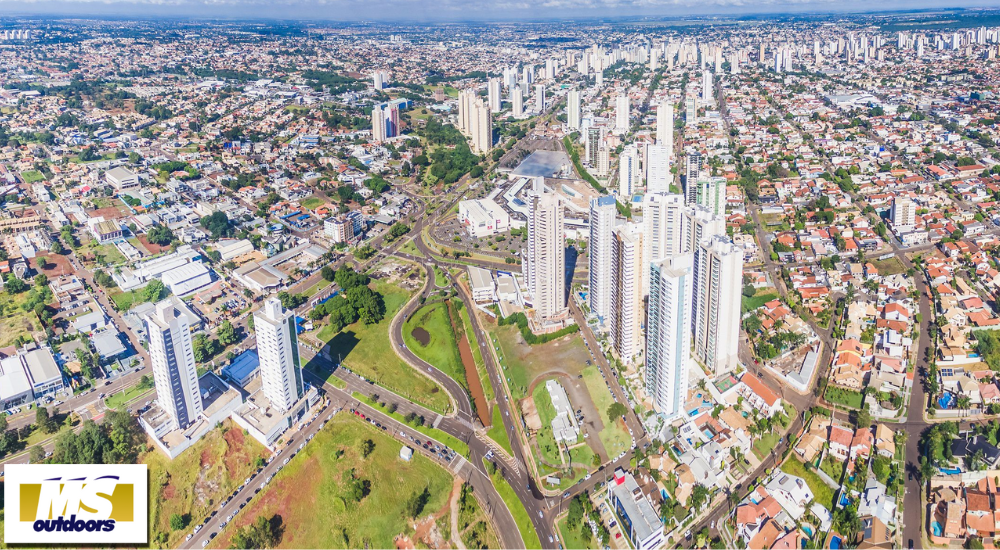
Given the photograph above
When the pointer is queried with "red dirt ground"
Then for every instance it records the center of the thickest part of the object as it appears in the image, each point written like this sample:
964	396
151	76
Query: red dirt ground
57	265
152	248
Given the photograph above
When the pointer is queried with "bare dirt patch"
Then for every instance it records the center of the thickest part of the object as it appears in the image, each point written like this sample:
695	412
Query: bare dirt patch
152	247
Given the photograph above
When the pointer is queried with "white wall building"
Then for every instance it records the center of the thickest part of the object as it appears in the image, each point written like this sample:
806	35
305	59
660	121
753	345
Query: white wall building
175	373
626	314
668	341
483	217
278	349
603	211
573	110
717	299
544	266
658	176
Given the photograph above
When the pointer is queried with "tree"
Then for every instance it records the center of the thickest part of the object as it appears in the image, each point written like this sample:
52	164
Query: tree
364	252
415	505
226	333
862	418
616	410
178	522
357	488
262	533
14	285
204	349
44	422
153	291
699	496
217	223
327	273
368	303
41	280
398	230
160	234
3	422
367	447
56	248
37	455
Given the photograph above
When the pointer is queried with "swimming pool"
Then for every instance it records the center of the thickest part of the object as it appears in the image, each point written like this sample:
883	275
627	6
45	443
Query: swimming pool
945	401
844	501
835	543
936	528
808	530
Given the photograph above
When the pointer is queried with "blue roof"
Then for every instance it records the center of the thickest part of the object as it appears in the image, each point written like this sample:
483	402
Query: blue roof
242	366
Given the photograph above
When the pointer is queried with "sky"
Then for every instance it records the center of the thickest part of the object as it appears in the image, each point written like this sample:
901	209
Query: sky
453	10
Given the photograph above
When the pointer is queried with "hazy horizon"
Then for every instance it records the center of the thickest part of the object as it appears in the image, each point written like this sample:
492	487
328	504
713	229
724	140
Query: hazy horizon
457	10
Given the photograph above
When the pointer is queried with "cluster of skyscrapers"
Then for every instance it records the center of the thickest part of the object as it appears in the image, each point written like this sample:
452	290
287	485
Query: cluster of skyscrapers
475	121
175	373
385	122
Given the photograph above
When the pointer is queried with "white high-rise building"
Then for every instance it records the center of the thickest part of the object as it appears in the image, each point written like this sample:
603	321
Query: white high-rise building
466	102
379	80
278	349
573	110
379	131
691	111
717	298
665	125
540	97
602	222
712	193
480	127
707	89
493	94
668	334
658	176
175	373
592	144
545	258
904	213
517	102
700	224
663	220
528	74
628	173
626	314
621	114
692	172
603	162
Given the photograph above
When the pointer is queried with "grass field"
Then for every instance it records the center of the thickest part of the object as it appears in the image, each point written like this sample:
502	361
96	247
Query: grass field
498	433
763	446
763	296
110	254
614	437
366	350
822	493
833	468
310	493
312	203
120	398
572	537
440	280
517	510
32	176
311	291
546	413
524	362
889	266
14	321
441	348
125	301
199	479
843	396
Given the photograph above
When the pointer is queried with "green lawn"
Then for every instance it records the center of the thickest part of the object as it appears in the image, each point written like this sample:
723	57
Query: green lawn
124	301
366	350
889	266
524	362
822	493
32	176
312	203
199	479
517	510
440	280
121	398
762	447
614	437
833	468
843	396
456	445
441	348
110	254
546	413
573	537
410	248
311	493
761	297
498	433
313	290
